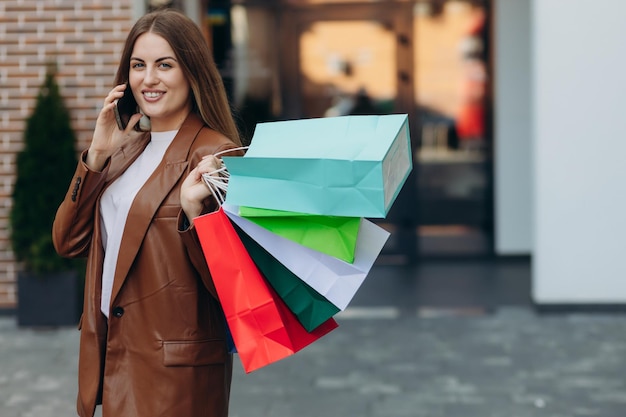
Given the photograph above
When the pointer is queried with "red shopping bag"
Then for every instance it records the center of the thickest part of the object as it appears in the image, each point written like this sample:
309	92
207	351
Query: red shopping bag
263	328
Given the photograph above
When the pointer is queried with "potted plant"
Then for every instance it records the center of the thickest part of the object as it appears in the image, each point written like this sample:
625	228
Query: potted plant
49	287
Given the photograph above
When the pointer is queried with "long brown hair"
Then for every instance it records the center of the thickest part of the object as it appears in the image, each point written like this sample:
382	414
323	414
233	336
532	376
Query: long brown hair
210	101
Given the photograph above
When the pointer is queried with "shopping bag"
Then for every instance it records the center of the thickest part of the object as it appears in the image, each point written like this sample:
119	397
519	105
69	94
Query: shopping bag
351	166
263	329
337	280
311	308
332	235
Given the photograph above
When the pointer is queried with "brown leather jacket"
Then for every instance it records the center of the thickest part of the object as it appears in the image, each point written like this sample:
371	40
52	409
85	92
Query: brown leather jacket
162	352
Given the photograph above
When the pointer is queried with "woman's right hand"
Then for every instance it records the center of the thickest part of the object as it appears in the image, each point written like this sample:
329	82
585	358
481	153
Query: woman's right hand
107	137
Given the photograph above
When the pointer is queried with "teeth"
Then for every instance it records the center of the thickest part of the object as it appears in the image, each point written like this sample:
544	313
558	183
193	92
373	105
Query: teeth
152	95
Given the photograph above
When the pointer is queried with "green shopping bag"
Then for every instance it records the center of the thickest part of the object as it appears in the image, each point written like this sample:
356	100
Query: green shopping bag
351	166
310	308
333	235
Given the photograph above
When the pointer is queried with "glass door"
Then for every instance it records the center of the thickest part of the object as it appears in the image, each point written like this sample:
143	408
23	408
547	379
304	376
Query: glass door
454	198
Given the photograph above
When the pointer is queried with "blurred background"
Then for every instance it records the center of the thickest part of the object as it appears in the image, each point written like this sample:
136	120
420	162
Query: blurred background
513	106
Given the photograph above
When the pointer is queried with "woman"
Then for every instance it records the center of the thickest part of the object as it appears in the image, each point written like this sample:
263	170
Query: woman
153	339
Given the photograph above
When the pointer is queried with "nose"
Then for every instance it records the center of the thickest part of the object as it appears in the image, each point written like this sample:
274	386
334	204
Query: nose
151	76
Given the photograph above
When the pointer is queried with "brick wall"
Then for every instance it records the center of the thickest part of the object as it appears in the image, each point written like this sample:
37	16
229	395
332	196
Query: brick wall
85	37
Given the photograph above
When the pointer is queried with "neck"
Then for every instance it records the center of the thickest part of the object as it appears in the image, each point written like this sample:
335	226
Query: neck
161	125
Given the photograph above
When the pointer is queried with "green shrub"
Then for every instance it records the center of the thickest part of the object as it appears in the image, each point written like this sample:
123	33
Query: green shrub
44	169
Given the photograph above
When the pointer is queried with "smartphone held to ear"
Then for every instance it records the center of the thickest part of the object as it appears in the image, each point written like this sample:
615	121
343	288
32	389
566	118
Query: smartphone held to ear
125	108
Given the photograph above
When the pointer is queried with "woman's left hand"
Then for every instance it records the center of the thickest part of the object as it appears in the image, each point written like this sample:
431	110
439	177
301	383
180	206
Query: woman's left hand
194	191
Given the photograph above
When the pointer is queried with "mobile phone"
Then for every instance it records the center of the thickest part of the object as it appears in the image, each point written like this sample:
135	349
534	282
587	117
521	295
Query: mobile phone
124	108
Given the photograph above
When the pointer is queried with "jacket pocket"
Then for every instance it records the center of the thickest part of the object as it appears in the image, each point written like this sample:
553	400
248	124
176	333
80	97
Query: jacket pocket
194	352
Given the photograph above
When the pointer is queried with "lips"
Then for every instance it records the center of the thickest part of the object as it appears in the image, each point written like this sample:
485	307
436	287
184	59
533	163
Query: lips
152	95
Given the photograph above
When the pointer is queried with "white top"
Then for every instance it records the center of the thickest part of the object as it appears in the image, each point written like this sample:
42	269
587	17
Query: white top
115	204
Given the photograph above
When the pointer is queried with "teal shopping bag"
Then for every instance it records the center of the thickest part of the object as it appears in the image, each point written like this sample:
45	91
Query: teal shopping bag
350	166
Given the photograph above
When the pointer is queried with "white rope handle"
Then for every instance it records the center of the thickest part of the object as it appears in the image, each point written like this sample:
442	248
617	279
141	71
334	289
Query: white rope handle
217	180
241	148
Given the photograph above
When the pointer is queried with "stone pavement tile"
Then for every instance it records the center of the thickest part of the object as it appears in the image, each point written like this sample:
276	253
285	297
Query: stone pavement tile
510	364
37	371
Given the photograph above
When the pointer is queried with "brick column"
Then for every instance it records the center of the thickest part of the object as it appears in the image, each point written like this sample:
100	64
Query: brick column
85	38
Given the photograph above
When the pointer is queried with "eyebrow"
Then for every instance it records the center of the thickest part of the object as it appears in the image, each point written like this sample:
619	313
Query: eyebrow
158	60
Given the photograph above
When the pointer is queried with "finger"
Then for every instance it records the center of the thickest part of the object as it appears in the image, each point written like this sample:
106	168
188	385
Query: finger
108	106
197	175
211	157
106	112
194	176
134	119
208	169
116	93
210	160
117	90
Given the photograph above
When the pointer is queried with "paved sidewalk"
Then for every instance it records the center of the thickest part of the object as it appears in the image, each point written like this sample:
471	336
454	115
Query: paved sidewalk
512	363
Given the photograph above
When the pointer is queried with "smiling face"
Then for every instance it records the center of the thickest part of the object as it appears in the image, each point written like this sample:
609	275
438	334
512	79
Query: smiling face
158	83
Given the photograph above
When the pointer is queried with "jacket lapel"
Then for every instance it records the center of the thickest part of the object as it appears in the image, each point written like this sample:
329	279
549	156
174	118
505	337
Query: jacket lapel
150	197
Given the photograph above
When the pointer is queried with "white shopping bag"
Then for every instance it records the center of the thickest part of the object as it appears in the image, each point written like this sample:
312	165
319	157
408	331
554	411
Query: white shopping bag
337	280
